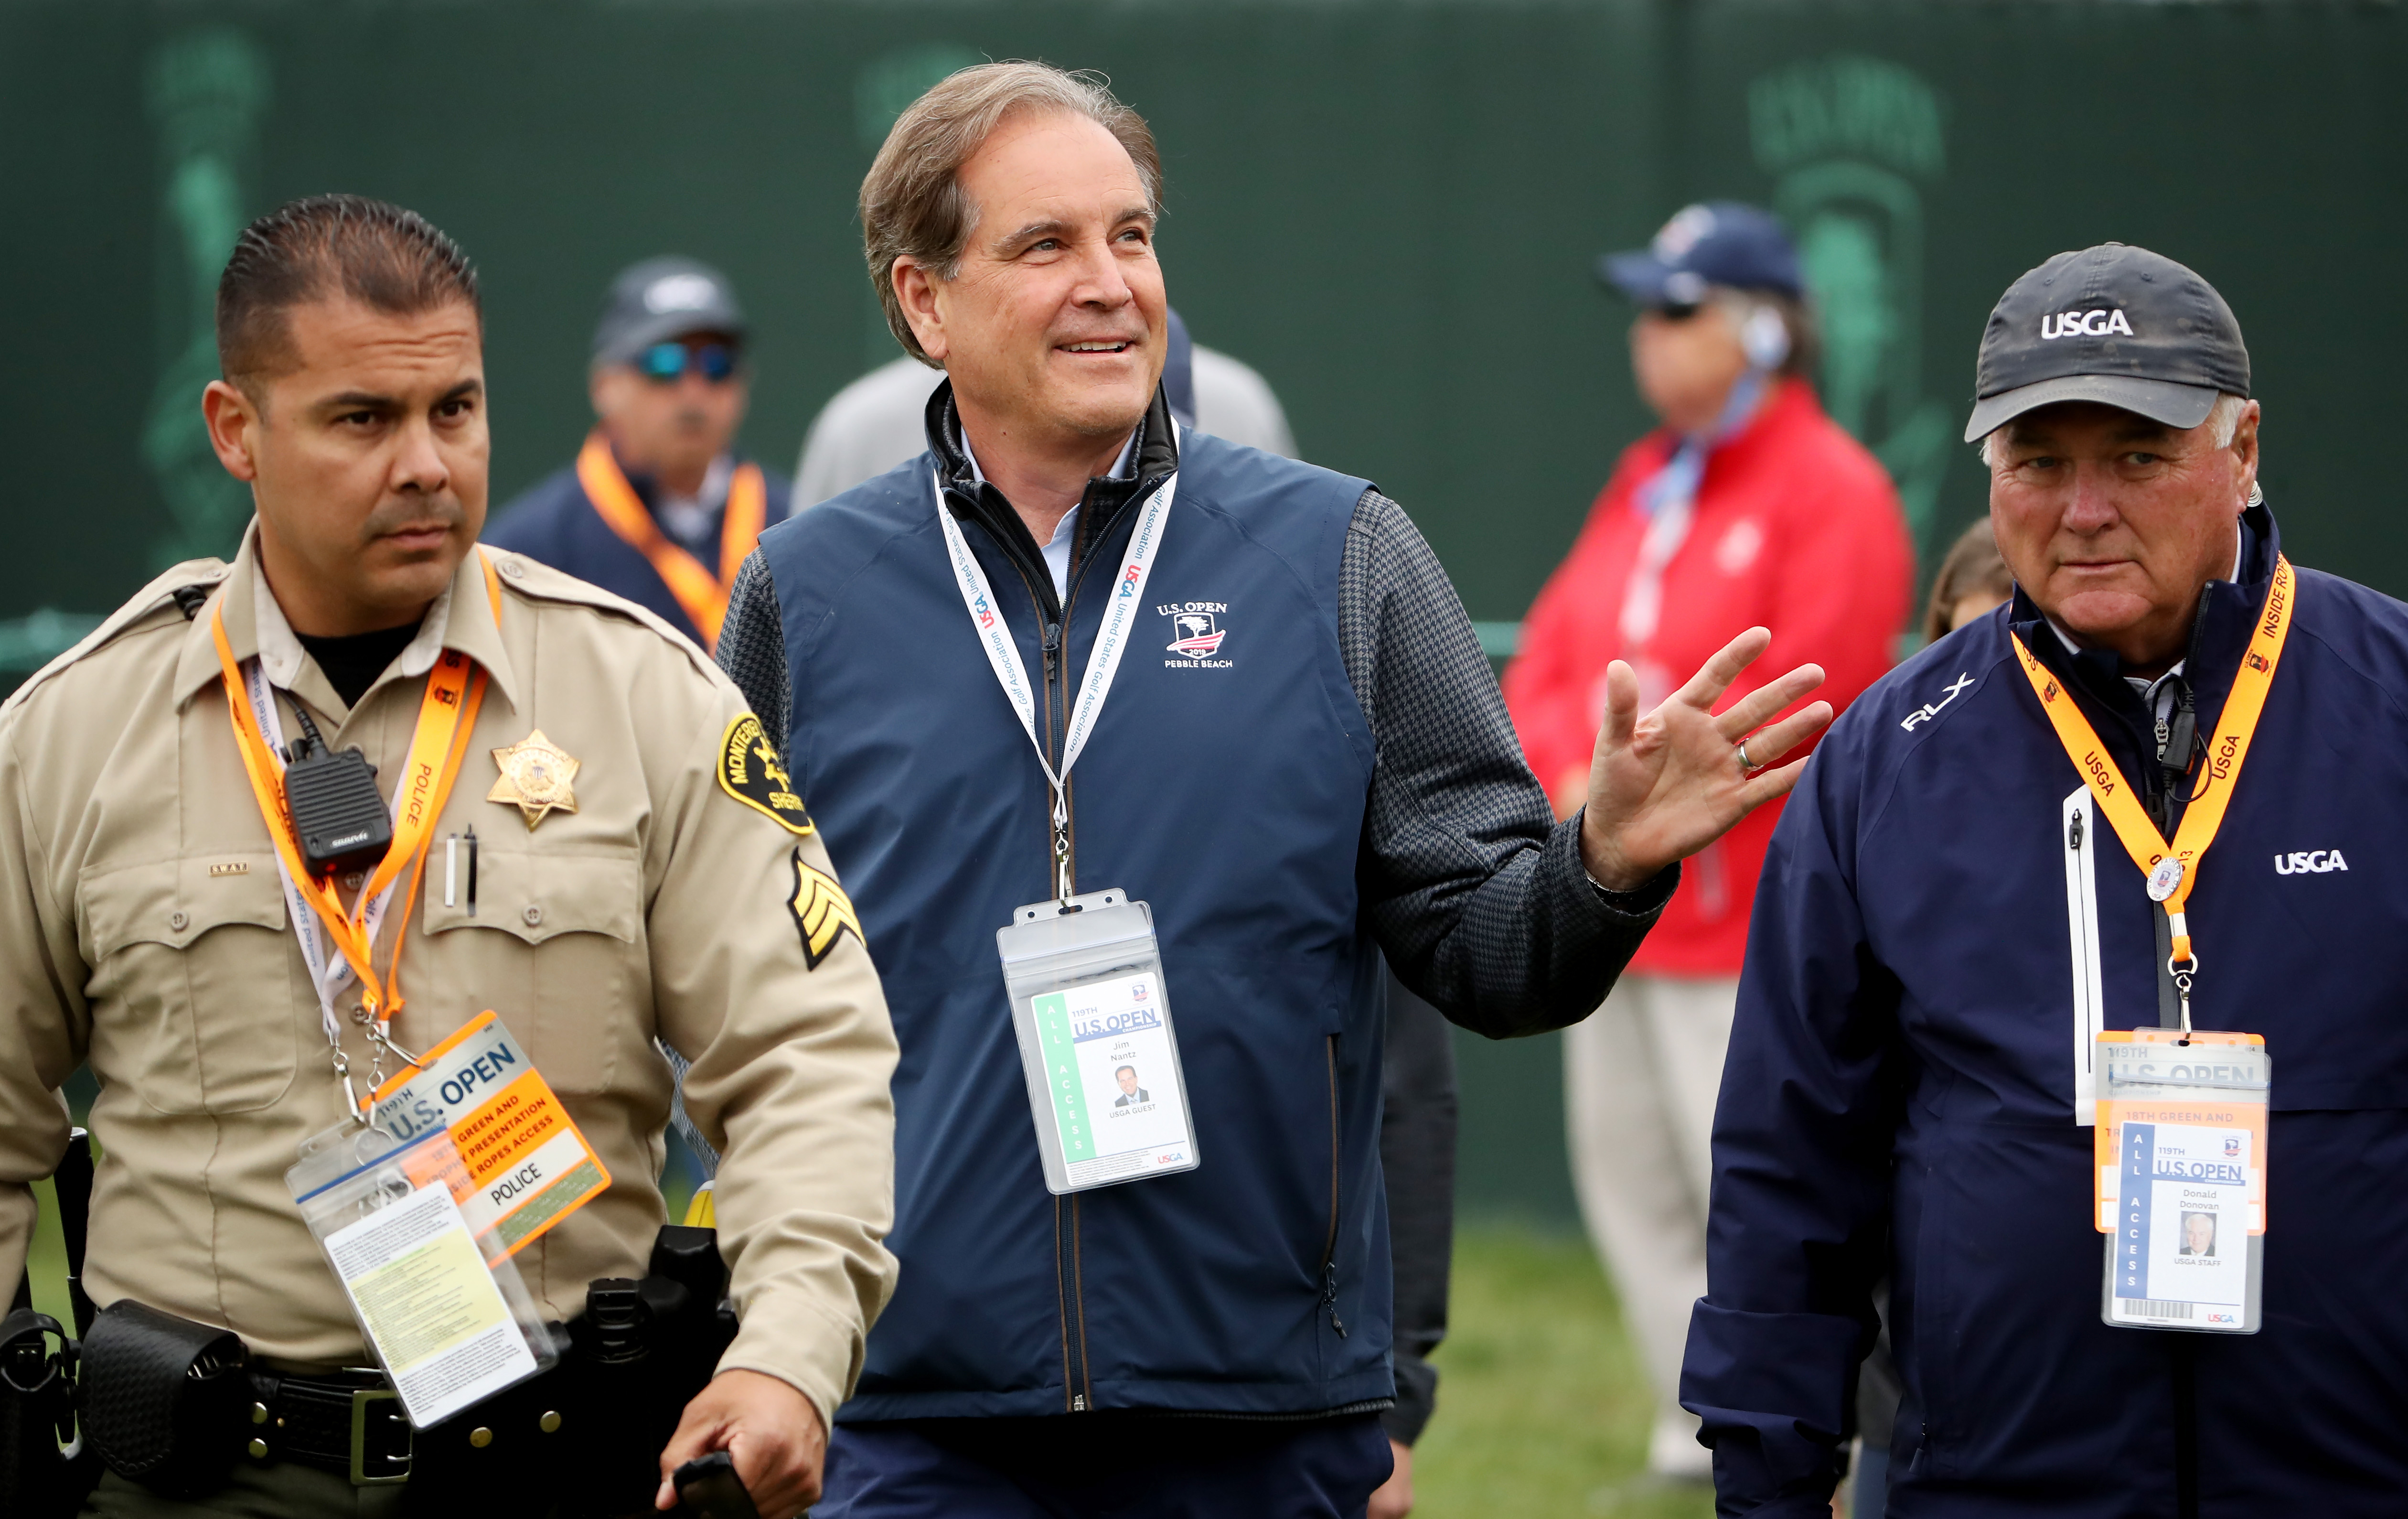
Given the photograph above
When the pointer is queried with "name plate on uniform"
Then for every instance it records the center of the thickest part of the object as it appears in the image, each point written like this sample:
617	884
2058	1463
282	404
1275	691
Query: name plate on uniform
528	1165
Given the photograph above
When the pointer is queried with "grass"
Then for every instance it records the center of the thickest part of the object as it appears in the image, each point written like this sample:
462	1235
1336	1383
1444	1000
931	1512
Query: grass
1543	1407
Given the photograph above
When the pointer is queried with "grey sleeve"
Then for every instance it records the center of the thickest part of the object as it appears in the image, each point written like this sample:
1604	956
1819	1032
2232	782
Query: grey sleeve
753	647
1473	890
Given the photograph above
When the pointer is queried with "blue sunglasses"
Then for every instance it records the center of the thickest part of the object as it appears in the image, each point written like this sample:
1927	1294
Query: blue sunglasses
666	362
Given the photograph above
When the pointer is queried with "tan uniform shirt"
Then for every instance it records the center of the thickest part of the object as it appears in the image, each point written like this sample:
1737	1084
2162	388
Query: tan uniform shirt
142	928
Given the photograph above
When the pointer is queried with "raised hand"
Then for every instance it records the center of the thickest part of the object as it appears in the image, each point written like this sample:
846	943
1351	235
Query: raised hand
1663	787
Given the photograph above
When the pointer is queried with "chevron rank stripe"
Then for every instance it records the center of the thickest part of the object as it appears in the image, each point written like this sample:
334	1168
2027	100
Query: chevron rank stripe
822	911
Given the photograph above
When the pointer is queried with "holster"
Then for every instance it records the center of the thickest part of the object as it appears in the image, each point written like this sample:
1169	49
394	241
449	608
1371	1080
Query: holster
43	1475
165	1399
169	1403
587	1434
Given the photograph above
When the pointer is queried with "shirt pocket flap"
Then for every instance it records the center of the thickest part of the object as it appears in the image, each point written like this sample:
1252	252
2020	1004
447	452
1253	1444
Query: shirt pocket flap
174	902
537	897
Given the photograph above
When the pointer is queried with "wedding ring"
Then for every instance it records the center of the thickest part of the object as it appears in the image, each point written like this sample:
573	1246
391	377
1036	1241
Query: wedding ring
1745	762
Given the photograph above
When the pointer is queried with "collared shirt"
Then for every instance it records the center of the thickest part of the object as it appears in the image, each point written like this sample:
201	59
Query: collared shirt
142	930
1066	532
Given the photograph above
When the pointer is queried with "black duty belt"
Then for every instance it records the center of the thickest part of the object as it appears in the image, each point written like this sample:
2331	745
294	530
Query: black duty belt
171	1403
350	1423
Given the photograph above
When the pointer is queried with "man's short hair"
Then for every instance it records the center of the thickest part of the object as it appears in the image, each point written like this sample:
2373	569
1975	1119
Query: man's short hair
911	202
2223	421
314	249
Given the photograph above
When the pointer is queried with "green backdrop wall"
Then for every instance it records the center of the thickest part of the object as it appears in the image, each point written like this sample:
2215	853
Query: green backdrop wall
1390	210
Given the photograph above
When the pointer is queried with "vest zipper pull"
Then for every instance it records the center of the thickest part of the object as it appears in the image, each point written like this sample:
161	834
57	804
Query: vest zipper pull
1329	1294
1053	649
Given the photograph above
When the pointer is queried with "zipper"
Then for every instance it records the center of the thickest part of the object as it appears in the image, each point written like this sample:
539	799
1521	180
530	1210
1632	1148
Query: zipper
1057	662
1063	869
1076	1392
1054	614
1082	1396
1329	1249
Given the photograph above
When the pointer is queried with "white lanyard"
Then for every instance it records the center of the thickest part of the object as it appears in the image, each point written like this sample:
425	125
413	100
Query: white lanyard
1670	499
1103	660
328	973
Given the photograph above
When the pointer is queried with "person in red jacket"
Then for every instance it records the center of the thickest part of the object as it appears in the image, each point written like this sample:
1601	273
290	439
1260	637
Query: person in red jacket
1749	507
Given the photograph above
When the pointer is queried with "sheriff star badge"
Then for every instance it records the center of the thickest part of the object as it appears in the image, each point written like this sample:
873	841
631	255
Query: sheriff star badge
536	776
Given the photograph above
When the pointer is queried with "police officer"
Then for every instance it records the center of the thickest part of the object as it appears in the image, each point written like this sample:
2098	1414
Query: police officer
659	506
636	873
2155	764
1284	738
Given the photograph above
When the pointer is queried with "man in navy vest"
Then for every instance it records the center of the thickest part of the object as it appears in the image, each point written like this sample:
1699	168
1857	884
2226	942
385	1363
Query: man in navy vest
1072	656
658	508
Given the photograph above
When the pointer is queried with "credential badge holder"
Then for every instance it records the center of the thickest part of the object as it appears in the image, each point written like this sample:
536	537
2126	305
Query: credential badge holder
445	1314
2180	1156
1091	1014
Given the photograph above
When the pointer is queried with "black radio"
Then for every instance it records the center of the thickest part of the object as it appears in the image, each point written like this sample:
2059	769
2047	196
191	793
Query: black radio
336	809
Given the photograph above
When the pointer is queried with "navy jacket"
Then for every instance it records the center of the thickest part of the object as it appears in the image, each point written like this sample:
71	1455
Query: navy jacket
1898	1093
553	523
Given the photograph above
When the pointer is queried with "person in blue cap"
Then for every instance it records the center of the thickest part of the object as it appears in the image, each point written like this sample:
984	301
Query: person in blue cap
1748	505
658	506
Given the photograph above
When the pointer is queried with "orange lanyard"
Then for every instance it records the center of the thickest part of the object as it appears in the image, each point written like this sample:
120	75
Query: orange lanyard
2174	868
446	712
702	594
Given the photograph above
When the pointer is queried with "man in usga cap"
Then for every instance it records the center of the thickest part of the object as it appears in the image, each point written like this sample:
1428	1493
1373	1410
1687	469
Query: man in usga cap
659	507
2130	799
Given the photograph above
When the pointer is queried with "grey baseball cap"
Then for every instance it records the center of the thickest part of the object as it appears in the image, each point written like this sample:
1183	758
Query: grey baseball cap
2115	324
661	299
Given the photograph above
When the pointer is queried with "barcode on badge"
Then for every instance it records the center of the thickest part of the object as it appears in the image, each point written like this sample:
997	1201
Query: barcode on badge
2150	1308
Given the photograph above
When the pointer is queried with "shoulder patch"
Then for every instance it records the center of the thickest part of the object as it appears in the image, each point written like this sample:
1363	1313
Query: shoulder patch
749	771
822	911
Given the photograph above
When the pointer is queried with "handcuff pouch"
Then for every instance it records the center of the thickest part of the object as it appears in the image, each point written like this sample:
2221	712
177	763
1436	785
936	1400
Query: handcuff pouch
167	1397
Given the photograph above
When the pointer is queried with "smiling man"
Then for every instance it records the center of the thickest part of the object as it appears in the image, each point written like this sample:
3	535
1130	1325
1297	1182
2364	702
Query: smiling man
604	879
2069	817
1073	655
